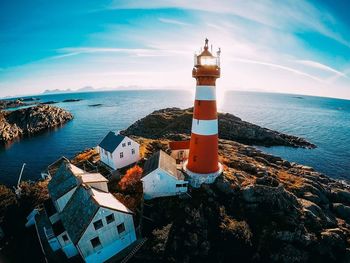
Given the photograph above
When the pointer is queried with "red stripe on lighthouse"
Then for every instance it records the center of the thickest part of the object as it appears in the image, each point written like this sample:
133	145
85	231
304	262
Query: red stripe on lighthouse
203	157
205	110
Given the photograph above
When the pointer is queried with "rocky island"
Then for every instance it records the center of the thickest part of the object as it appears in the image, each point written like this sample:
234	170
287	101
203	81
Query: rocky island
175	123
29	121
261	209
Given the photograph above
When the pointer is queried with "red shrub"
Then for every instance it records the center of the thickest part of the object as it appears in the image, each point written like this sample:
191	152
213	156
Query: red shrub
132	179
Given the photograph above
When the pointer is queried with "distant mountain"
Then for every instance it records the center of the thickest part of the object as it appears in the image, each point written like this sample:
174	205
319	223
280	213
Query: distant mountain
87	88
55	91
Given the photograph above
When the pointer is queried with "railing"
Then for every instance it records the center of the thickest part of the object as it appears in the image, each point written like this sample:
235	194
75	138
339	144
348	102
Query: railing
134	251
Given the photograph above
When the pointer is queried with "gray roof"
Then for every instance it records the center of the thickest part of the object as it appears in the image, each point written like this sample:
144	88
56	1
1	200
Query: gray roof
78	213
111	141
62	181
164	161
82	207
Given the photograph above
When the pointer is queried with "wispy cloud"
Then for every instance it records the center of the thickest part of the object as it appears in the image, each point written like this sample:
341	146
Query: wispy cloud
141	52
320	66
172	21
294	15
295	71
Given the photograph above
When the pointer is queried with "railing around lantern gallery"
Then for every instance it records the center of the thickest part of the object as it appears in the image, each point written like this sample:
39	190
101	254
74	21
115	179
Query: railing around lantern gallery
206	61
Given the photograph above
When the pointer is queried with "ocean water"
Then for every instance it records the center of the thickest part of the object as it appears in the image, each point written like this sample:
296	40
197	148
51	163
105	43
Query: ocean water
323	121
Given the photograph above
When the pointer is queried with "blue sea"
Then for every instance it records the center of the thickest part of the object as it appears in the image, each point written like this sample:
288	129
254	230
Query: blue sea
323	121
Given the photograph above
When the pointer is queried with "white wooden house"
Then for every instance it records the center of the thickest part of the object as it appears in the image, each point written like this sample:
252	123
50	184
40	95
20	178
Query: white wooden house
118	151
161	177
83	217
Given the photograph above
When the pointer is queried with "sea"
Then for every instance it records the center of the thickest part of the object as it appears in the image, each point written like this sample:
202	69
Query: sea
322	121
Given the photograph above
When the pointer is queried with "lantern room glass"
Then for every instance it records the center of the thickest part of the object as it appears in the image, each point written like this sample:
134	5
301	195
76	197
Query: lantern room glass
208	61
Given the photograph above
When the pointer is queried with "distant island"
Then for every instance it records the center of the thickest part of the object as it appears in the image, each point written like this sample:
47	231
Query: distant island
30	121
59	91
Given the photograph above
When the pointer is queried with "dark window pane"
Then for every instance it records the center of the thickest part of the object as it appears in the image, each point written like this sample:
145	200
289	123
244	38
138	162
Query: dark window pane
121	228
110	218
95	242
98	224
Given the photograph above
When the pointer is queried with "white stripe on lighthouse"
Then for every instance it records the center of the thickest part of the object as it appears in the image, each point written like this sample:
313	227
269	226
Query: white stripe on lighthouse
205	127
205	93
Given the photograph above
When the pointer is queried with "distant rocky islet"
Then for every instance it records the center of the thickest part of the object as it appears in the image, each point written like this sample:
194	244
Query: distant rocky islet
30	121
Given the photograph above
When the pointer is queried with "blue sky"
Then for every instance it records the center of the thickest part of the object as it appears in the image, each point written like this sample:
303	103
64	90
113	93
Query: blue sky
287	46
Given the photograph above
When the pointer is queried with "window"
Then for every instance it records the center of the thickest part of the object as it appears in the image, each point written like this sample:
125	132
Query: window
121	155
110	154
98	224
65	238
178	185
110	218
95	242
132	151
121	228
195	158
123	144
129	143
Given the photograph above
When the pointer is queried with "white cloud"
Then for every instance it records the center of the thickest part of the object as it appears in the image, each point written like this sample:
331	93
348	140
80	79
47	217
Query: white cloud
295	15
172	21
318	65
295	71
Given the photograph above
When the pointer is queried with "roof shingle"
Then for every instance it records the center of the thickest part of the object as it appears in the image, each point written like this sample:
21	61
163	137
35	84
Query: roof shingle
164	161
111	141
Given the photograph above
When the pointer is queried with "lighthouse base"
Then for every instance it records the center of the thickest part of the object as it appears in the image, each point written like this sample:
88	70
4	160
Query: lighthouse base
197	179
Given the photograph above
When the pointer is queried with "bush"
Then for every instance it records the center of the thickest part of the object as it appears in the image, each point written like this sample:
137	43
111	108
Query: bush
131	181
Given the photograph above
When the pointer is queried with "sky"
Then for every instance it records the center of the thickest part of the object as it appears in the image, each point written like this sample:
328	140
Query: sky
289	46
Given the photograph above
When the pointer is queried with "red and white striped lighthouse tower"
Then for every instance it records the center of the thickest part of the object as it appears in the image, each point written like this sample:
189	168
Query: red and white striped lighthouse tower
203	165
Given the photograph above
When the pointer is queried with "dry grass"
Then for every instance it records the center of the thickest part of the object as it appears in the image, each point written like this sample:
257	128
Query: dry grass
87	155
289	180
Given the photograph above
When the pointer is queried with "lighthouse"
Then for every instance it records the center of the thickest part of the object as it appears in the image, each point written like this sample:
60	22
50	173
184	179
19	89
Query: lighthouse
202	165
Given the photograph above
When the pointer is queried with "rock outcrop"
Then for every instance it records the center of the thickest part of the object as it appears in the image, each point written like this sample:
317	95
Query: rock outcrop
29	121
6	104
262	209
175	123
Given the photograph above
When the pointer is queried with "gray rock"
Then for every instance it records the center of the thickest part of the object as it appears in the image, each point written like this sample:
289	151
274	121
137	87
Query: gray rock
342	211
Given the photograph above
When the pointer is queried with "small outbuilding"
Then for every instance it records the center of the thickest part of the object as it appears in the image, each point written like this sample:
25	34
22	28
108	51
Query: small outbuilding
118	151
162	178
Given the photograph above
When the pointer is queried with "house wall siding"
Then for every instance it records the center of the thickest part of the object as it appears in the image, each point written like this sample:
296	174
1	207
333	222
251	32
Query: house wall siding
128	158
111	241
68	247
106	158
159	183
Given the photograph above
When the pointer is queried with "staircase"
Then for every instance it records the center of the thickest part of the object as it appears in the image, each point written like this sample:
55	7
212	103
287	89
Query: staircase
134	250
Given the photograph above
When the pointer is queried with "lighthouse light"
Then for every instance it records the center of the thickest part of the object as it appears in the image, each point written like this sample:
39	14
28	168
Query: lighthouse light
208	61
